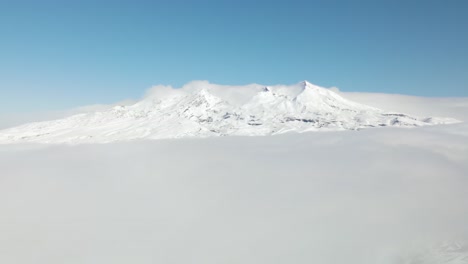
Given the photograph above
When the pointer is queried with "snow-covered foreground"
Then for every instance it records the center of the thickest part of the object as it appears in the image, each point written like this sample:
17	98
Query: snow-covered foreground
375	196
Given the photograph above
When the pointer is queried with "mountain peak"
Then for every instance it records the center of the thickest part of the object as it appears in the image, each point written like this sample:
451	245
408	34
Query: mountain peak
204	92
203	96
305	84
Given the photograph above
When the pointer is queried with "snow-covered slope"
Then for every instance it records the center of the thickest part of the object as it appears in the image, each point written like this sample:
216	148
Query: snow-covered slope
203	111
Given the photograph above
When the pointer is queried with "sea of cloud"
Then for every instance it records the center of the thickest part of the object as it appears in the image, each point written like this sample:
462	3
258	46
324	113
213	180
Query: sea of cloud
375	196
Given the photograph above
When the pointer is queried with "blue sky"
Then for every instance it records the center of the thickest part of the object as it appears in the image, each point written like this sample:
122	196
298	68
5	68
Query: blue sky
61	54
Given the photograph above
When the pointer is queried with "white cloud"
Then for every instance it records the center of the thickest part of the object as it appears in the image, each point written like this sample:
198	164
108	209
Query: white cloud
8	120
345	197
335	89
337	197
421	106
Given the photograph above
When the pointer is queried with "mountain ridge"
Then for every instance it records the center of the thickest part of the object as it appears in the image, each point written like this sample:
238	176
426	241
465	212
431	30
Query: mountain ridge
202	112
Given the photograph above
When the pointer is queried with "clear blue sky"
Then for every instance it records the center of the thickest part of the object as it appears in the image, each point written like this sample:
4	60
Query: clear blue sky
62	54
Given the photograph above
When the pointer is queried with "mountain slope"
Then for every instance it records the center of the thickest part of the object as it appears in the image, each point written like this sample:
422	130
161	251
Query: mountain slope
200	112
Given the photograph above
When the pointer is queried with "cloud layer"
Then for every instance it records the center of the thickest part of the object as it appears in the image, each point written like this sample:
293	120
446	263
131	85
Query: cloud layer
373	196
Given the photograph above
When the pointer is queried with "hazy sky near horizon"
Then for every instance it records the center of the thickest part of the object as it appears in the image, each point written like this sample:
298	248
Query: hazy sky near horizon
59	55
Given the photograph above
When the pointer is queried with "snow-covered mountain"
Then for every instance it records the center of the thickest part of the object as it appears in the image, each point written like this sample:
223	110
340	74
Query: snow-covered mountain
203	110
